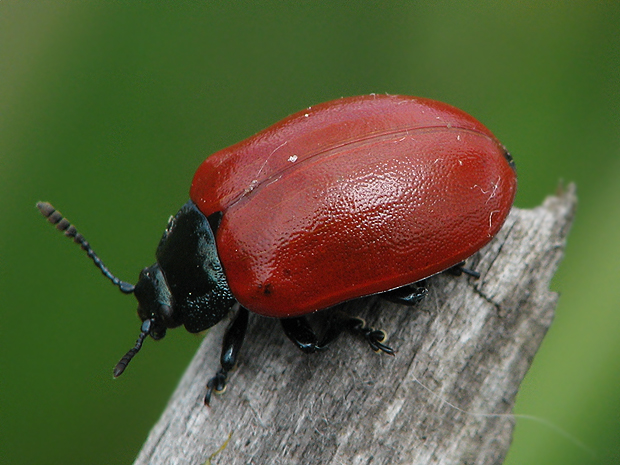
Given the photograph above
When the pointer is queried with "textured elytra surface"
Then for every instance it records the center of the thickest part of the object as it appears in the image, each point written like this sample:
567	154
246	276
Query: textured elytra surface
353	197
470	343
235	171
364	220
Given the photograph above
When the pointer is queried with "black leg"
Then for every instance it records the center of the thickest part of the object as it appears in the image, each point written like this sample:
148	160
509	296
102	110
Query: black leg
299	331
303	336
374	337
233	339
458	270
410	294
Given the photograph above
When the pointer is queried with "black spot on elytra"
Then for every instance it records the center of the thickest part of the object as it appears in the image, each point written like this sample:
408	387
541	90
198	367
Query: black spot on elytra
268	289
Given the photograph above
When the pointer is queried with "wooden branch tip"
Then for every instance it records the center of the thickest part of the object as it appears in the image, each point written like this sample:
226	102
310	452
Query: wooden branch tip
461	354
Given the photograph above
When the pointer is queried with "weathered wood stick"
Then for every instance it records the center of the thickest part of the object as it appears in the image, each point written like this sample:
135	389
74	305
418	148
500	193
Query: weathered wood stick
462	353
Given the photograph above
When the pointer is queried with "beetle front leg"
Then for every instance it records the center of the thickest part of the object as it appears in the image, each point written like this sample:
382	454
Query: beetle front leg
231	345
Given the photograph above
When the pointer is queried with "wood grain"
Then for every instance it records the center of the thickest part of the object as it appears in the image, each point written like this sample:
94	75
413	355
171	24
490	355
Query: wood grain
462	353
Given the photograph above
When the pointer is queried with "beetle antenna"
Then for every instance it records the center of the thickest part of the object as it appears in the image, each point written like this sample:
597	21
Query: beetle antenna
122	364
62	224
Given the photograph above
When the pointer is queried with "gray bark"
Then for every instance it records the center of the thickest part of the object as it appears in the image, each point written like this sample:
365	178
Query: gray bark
462	353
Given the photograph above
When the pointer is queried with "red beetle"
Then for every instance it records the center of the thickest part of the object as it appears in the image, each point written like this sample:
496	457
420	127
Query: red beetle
349	198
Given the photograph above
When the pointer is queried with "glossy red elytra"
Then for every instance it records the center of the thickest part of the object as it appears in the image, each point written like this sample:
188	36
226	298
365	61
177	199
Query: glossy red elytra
349	198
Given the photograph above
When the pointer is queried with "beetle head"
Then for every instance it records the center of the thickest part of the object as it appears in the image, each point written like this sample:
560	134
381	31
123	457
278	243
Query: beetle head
155	306
155	309
186	286
155	301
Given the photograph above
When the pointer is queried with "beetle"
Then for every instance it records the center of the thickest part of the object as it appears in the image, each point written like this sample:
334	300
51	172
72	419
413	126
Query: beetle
353	197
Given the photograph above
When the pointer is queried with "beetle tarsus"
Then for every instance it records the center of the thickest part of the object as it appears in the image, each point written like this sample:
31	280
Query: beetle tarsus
216	385
458	270
374	337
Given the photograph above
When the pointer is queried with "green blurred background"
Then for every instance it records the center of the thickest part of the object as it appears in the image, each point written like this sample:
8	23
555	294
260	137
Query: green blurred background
107	109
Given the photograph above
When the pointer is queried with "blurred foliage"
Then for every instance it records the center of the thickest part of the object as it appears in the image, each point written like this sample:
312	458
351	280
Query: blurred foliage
107	108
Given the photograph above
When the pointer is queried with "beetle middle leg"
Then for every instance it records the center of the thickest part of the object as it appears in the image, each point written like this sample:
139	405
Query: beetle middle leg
374	337
301	333
231	346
